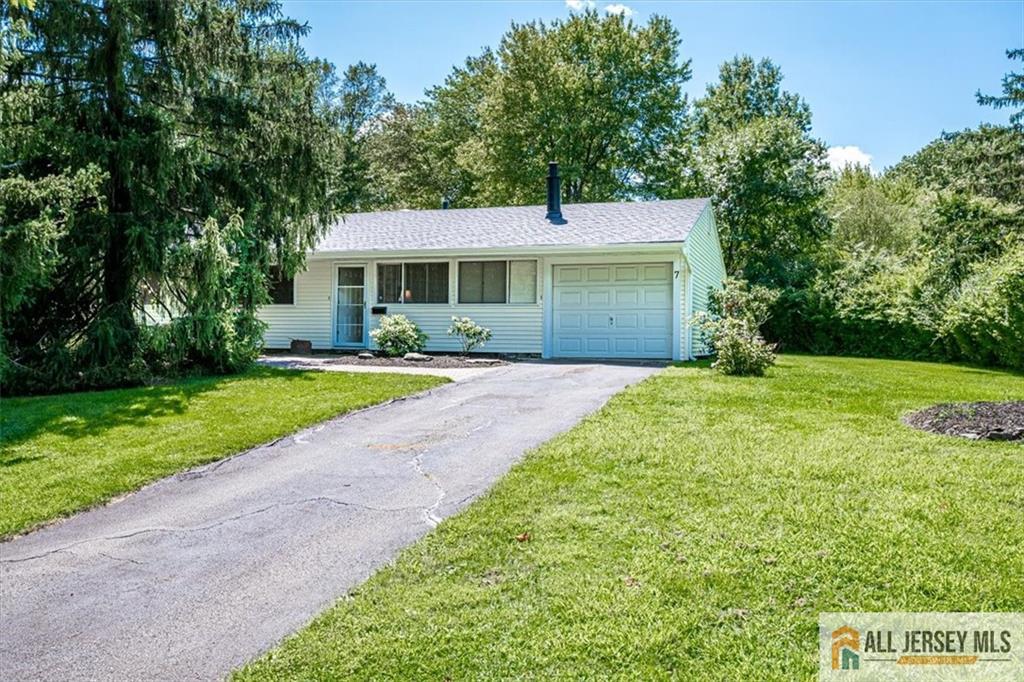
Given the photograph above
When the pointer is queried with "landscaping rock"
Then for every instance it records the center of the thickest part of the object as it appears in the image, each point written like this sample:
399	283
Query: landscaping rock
372	359
417	357
301	346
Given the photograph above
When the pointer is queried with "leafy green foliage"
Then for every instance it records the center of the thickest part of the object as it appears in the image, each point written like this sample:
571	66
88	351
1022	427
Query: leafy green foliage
948	296
408	165
359	100
150	124
36	215
470	334
732	328
869	304
988	161
750	151
748	91
985	323
909	252
601	95
874	213
215	334
962	230
1013	91
397	335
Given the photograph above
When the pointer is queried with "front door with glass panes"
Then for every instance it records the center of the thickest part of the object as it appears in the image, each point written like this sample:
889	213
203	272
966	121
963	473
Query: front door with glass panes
350	300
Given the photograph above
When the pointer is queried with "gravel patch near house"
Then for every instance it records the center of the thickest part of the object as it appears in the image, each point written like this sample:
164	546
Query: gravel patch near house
977	421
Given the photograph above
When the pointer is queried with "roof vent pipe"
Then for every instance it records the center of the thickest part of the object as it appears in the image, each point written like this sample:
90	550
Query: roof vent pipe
554	194
445	203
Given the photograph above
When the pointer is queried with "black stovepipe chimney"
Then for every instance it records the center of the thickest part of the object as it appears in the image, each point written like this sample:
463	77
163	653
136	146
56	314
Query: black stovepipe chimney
554	193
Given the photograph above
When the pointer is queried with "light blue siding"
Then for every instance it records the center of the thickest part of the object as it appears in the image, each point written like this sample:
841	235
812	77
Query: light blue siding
517	328
704	253
309	318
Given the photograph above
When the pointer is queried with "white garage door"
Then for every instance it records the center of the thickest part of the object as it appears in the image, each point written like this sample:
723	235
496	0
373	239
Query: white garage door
613	311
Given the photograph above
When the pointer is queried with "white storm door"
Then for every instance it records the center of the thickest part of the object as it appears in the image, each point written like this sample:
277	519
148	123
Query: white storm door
350	306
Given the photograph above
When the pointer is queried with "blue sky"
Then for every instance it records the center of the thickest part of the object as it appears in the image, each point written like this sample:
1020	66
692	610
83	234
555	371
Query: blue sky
883	77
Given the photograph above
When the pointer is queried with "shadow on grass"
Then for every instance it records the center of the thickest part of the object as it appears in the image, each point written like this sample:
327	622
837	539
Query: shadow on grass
77	415
966	367
700	363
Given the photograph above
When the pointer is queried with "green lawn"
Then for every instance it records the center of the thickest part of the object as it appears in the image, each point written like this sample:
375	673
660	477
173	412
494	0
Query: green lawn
63	453
694	528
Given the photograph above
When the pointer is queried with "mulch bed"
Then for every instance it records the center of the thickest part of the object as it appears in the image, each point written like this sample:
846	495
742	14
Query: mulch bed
977	421
445	361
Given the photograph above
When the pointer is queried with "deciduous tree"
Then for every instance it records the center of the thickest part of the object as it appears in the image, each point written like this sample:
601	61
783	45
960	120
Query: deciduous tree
600	95
749	149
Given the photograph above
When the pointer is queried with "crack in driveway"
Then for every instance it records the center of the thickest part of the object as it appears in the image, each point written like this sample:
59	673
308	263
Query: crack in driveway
429	516
192	576
199	529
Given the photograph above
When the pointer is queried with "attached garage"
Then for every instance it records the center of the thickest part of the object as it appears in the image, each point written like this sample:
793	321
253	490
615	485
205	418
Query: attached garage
615	280
612	310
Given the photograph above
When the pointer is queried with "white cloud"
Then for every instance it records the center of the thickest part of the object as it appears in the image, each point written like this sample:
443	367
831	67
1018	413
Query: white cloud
841	157
619	9
576	5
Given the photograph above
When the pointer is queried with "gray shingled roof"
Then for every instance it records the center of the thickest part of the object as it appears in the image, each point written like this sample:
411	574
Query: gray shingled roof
640	222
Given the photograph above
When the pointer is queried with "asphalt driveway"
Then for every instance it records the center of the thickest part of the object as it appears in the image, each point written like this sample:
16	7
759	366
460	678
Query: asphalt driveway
199	573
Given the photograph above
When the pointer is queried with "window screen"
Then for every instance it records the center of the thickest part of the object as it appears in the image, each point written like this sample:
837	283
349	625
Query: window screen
412	283
522	284
482	281
437	282
282	289
415	283
389	283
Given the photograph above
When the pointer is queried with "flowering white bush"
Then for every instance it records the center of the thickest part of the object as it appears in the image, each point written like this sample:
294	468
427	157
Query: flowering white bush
471	335
398	335
732	328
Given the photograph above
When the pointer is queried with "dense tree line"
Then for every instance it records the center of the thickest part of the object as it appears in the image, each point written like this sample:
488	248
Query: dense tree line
923	260
178	153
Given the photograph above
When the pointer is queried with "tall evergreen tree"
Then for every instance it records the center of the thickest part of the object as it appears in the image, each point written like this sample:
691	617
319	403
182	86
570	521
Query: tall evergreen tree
1013	92
987	160
199	126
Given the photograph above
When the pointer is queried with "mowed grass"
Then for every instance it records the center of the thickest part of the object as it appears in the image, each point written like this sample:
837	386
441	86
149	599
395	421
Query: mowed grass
694	529
63	453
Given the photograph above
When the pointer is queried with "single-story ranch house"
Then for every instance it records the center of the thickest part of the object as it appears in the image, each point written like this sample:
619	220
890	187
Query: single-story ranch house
605	280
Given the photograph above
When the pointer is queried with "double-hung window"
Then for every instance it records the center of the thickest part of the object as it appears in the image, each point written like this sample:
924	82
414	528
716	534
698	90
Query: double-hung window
282	289
412	283
498	281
